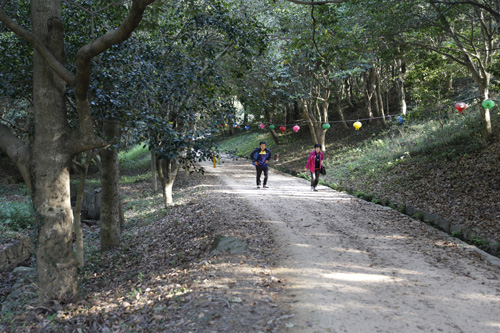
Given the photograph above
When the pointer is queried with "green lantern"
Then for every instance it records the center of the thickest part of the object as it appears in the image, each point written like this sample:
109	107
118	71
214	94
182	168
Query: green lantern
488	104
271	127
326	126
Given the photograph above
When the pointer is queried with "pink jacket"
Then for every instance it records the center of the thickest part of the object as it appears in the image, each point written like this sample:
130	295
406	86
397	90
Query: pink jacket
311	159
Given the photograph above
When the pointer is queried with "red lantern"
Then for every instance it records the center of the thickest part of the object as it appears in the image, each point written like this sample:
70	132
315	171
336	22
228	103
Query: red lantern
460	106
282	129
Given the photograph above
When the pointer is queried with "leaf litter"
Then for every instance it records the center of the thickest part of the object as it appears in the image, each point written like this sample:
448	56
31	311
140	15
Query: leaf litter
163	277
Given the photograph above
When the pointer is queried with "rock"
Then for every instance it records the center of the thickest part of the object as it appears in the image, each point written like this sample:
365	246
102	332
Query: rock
23	269
227	244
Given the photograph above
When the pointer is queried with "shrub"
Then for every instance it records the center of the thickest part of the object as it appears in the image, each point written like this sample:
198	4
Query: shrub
16	216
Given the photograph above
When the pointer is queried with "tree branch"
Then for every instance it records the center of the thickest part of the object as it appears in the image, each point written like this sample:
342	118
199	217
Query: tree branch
17	151
472	3
37	44
319	3
103	43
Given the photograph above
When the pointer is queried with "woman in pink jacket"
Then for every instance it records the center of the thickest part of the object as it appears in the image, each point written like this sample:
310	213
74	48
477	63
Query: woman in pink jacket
314	163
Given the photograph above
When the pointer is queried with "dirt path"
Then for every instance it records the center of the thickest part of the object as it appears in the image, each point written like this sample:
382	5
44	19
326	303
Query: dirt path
352	266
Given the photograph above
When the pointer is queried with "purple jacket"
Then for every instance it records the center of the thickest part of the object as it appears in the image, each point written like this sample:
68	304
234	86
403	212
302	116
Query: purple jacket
311	160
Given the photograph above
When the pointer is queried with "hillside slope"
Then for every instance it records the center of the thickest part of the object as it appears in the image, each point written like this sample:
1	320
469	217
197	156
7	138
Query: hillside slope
448	172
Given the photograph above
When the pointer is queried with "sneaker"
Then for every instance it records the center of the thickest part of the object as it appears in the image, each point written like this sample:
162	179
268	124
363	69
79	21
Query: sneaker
315	189
258	186
312	188
265	186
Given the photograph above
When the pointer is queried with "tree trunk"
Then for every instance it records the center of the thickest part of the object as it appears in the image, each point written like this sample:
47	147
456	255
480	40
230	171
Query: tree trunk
401	81
338	104
368	90
269	120
110	195
378	95
153	171
348	91
485	116
77	213
51	161
296	109
167	172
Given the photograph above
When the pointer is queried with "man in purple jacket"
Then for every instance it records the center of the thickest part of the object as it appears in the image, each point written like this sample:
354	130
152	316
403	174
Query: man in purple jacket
260	158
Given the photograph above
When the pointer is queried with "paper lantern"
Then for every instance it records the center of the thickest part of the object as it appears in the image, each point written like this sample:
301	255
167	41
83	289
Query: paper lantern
296	128
326	126
282	129
400	120
357	125
236	126
247	128
488	104
460	106
271	127
262	126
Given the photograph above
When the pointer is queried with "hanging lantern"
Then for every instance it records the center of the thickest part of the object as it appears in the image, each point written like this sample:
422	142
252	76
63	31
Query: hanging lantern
488	104
357	125
227	125
271	127
296	128
460	106
282	129
236	126
326	126
247	128
262	126
400	120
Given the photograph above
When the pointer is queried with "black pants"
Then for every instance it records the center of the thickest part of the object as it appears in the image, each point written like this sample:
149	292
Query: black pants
315	180
259	173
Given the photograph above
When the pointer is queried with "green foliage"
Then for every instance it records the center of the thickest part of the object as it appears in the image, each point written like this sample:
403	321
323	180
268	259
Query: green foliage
16	216
138	157
243	144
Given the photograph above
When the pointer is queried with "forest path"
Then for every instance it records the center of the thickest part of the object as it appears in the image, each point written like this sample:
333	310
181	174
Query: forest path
353	266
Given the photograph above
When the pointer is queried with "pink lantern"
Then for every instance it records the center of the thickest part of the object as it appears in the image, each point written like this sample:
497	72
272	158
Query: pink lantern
460	106
262	126
296	128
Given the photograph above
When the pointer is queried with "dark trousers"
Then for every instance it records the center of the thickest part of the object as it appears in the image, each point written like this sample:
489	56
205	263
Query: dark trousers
259	173
315	180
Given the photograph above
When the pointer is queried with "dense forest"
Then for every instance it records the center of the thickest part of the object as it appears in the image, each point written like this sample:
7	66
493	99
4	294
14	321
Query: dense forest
82	81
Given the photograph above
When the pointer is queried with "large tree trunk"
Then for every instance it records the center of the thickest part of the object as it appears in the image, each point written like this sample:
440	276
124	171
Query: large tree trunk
51	160
110	195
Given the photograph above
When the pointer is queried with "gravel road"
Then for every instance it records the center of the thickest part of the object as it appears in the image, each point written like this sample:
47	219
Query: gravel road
353	266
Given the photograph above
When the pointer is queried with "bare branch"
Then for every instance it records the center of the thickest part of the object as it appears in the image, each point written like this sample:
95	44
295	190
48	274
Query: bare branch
37	44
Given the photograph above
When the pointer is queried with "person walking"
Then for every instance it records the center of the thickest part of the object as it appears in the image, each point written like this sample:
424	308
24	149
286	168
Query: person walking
314	164
260	158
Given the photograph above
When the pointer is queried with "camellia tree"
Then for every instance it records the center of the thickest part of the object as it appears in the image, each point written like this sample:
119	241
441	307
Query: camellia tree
45	162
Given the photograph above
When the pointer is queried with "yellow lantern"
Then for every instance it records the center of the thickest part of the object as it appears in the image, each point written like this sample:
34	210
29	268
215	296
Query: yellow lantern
357	125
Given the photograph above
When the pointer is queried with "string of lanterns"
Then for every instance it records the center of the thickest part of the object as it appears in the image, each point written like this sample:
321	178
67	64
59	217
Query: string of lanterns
459	106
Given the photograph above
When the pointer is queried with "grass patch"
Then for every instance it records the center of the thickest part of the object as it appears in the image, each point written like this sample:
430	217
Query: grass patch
138	157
